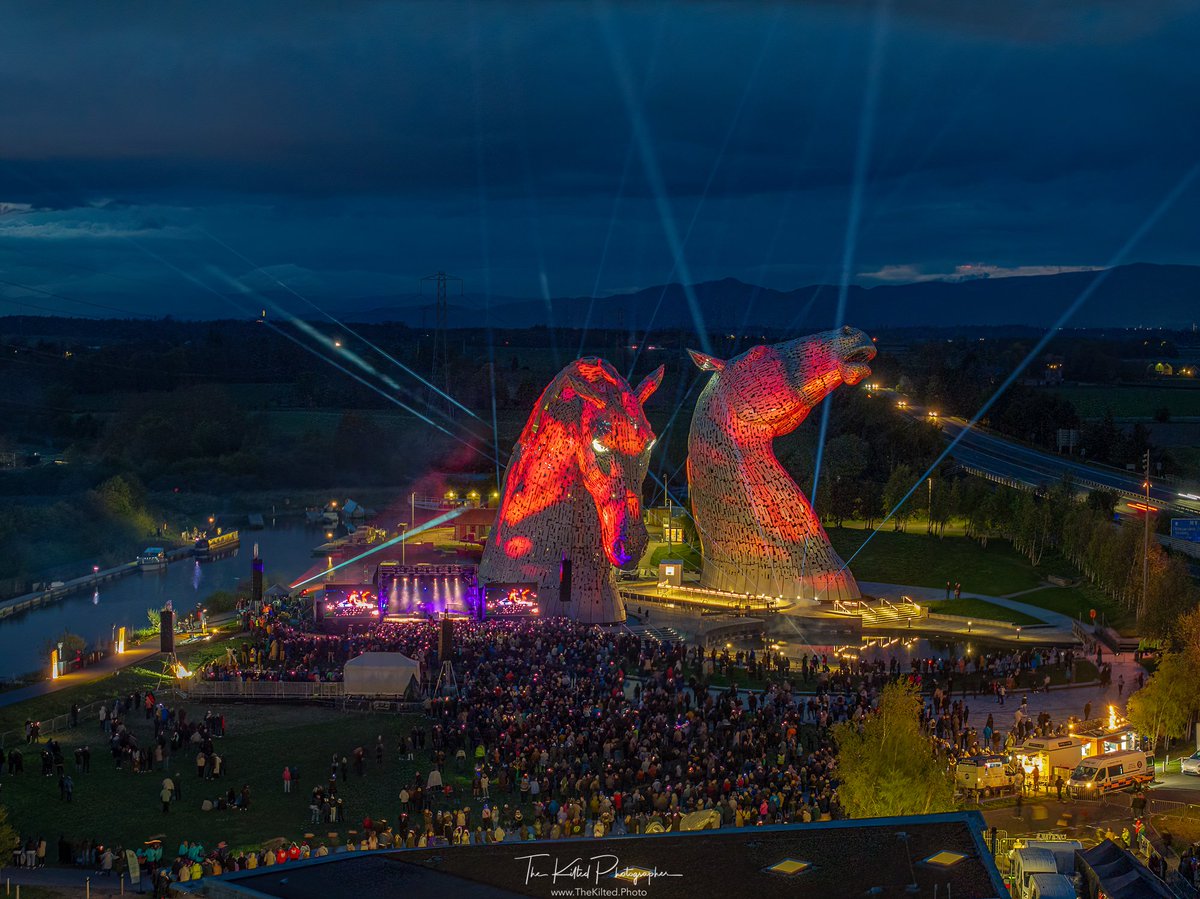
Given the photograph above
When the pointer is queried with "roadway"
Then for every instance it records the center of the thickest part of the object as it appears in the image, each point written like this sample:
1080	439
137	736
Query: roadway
1034	468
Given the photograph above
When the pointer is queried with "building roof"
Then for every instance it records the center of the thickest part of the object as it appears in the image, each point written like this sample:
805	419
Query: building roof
831	860
475	517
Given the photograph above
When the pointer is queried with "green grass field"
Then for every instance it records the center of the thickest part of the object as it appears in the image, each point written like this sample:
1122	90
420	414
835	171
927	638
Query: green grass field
980	609
1133	402
119	806
1078	601
914	558
920	560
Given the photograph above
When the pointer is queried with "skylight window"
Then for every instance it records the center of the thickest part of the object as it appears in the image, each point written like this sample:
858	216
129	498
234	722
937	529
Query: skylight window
789	866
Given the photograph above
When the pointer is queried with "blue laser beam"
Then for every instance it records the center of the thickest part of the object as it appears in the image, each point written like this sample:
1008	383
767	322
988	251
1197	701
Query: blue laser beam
1117	259
196	281
654	176
407	535
340	324
862	157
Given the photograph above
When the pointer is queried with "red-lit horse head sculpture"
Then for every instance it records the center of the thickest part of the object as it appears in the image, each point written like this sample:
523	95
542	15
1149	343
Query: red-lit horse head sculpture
757	530
573	491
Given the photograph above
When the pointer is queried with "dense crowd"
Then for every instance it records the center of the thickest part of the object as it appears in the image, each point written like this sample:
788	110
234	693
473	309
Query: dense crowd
566	730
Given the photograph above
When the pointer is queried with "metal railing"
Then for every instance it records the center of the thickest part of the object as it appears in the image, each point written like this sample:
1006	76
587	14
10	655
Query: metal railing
263	689
88	716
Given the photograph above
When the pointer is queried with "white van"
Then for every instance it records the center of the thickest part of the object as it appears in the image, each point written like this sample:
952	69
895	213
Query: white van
1113	771
1050	886
1025	864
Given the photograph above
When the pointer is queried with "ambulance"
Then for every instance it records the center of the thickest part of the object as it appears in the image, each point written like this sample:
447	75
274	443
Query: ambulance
1100	774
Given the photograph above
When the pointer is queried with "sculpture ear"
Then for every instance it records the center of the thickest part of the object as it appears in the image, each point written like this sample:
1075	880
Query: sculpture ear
649	384
582	389
704	362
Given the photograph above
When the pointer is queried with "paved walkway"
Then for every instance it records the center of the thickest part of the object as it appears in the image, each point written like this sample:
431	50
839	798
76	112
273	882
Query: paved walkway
938	594
110	664
1059	702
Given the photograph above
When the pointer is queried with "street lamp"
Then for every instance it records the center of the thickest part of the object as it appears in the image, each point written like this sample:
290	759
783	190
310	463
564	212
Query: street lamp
1018	632
969	623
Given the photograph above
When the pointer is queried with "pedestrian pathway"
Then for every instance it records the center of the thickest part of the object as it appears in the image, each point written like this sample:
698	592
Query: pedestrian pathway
1038	589
110	664
1056	627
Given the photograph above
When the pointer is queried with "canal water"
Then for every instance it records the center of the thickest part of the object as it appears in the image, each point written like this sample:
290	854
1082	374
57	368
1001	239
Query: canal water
286	551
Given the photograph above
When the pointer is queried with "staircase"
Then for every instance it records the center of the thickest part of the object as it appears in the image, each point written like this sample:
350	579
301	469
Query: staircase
654	632
882	612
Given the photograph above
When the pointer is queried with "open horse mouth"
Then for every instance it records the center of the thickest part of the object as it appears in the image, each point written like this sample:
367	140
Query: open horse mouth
854	364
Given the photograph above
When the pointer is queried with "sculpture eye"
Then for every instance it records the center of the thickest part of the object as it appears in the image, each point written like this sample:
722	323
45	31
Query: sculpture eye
598	446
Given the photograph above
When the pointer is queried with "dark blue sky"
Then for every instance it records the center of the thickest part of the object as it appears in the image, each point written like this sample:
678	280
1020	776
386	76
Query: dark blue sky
562	148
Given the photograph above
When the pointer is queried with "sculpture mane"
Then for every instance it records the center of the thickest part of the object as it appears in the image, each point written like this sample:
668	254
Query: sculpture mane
758	532
572	490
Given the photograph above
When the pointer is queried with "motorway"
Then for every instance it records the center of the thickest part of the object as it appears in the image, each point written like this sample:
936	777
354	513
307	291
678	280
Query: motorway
1012	461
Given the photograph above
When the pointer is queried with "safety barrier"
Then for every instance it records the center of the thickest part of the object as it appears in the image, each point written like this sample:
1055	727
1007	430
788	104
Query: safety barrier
88	717
300	691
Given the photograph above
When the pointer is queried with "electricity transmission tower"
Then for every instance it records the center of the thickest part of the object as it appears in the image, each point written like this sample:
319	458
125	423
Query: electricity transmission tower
440	363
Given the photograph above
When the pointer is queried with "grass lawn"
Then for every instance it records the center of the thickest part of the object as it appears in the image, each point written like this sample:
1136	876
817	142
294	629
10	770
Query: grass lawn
1133	402
120	806
688	554
1078	601
981	609
920	560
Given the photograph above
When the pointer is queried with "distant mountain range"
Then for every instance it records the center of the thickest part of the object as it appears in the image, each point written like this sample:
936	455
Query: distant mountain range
1138	295
1128	296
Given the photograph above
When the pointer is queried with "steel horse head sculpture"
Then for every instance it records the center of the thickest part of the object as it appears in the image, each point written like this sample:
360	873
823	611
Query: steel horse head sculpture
758	532
572	490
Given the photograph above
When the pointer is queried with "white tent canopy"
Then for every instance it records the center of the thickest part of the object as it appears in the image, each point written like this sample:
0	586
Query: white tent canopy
380	674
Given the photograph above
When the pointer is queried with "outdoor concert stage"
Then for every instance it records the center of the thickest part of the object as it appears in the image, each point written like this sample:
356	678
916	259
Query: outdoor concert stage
412	592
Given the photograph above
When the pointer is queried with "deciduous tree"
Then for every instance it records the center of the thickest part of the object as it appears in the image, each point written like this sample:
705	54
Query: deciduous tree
1164	708
886	763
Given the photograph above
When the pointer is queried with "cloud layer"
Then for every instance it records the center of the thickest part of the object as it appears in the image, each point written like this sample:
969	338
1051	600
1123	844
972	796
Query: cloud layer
371	144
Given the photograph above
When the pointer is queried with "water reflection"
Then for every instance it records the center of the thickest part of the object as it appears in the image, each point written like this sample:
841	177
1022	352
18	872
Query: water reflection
23	637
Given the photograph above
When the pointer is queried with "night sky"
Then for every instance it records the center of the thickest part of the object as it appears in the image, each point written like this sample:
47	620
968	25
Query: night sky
571	148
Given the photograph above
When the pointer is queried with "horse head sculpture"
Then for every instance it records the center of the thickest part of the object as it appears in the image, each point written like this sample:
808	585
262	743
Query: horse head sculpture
757	529
572	490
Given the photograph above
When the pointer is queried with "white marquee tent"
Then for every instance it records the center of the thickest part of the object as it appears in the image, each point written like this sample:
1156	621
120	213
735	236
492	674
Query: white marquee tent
380	674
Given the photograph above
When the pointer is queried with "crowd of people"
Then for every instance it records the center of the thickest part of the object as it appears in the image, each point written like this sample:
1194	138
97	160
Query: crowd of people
563	730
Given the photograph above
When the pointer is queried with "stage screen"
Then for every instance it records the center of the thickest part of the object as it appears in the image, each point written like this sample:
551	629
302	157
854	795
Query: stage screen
511	600
350	601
